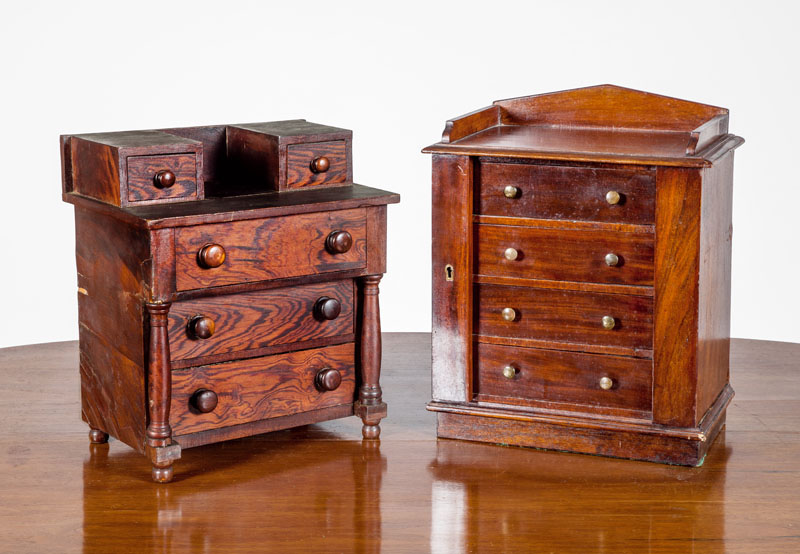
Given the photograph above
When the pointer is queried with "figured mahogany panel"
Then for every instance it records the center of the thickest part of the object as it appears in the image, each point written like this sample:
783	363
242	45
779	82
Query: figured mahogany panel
96	170
142	171
564	377
259	319
271	248
564	254
561	315
563	192
300	157
260	388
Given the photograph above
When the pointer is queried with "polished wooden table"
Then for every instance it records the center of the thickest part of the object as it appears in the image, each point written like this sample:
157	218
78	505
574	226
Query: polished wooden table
320	489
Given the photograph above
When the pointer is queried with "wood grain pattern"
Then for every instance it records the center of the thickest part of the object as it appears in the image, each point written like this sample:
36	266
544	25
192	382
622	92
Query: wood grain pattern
143	169
300	156
564	377
272	248
259	319
564	255
563	192
96	170
261	388
470	123
568	316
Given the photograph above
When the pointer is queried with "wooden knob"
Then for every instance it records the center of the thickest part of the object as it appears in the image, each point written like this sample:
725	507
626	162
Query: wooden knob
164	179
204	400
611	259
510	191
338	242
201	327
326	308
328	379
609	322
509	372
606	383
509	314
211	255
320	165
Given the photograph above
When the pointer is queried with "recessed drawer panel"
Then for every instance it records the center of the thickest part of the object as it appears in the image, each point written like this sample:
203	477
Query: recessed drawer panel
316	163
275	248
162	177
563	377
252	320
564	316
617	195
231	393
564	254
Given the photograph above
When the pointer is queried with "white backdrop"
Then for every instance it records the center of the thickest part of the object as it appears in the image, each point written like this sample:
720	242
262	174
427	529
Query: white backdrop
393	74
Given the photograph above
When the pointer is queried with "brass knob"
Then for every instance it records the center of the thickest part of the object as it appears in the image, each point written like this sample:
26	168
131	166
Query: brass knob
164	179
320	165
608	322
606	383
509	314
612	259
328	379
510	191
612	197
204	400
326	308
211	255
201	327
338	242
509	372
511	254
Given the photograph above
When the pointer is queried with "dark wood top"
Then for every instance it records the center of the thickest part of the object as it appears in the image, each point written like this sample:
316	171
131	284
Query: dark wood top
234	208
127	139
316	489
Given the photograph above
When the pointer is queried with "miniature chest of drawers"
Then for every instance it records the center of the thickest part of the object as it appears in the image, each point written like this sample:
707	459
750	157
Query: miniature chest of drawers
227	283
581	274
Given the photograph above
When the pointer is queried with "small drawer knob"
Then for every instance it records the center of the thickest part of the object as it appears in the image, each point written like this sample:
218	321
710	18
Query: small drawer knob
164	179
338	242
201	327
612	197
210	256
606	383
612	259
509	314
509	372
511	254
326	308
328	379
204	400
609	322
510	191
320	165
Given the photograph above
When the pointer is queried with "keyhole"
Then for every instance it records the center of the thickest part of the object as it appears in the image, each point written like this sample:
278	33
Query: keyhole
448	272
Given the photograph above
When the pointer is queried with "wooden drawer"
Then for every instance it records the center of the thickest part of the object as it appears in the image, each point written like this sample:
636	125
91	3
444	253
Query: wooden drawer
149	177
562	377
260	388
274	248
563	192
564	316
564	254
301	168
254	320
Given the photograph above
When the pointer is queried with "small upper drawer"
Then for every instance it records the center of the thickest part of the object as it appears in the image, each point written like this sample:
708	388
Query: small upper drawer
167	177
316	163
615	195
274	248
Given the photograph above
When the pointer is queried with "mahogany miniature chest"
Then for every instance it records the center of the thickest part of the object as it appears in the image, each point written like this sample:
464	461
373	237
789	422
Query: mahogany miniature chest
227	283
581	274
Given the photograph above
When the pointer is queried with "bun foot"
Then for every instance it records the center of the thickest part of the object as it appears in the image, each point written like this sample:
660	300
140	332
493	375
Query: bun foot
97	436
162	474
371	432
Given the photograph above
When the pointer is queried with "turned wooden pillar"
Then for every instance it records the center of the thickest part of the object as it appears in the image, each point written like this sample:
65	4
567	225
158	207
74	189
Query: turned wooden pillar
370	406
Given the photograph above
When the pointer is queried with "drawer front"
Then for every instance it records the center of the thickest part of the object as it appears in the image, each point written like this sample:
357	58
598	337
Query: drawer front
274	248
143	184
564	316
252	320
565	377
260	388
301	157
564	254
572	193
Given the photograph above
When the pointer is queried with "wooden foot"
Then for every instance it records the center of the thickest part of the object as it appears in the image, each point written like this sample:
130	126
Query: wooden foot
96	436
162	474
370	406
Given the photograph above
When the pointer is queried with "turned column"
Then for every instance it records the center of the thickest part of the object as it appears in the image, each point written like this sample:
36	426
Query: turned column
370	406
160	448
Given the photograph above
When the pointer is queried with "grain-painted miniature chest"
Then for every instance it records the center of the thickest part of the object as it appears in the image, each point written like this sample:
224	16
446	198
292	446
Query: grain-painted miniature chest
581	274
227	283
